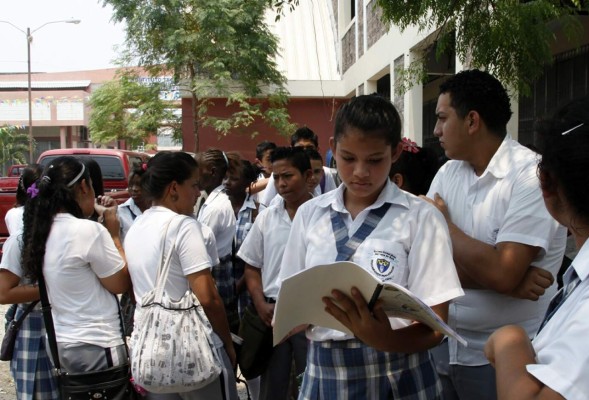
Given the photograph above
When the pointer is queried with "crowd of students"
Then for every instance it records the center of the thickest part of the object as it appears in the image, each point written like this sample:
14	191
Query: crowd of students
480	240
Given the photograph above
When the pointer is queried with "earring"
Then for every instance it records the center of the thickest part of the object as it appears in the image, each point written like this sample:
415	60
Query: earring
174	197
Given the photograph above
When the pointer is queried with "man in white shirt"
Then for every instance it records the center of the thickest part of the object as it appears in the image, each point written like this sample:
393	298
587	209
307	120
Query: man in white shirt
506	246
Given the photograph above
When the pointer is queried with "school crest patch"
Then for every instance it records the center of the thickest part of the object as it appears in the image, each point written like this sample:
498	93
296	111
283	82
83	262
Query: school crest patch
383	264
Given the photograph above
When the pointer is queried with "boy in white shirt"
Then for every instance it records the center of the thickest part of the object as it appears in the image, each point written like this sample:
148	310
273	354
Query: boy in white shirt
262	252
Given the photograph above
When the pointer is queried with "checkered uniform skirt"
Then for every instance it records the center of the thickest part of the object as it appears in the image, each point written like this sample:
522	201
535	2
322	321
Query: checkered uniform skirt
225	281
351	370
30	366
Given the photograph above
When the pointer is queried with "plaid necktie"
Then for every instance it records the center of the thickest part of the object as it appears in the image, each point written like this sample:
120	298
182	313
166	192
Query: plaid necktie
346	247
560	297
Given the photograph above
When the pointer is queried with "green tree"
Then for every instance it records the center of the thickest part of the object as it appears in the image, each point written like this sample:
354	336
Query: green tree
216	49
14	143
509	38
127	109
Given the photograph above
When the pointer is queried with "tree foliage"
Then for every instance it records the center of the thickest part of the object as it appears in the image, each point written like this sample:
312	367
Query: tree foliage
217	48
509	38
14	143
127	109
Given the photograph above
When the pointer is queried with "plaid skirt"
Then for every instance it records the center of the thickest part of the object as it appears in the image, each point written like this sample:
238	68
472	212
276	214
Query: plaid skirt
225	281
351	370
30	366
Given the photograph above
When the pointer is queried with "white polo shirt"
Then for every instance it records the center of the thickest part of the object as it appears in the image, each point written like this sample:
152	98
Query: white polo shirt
412	236
11	252
562	348
143	247
13	219
504	204
217	213
80	252
270	192
264	245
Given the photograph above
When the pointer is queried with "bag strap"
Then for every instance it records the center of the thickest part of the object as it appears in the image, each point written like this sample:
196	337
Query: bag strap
164	268
18	322
346	246
48	319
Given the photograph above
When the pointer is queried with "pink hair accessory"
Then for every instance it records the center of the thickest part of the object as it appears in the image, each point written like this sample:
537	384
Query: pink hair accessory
144	166
410	146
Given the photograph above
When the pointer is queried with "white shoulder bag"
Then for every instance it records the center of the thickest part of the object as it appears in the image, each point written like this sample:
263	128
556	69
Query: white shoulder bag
172	350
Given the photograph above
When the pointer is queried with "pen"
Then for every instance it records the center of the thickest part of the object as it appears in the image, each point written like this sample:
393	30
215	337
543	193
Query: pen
374	297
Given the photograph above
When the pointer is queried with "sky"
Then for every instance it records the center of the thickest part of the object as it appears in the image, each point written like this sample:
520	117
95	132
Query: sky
58	47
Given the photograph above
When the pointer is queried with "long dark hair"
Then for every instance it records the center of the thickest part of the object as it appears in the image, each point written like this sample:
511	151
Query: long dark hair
55	194
29	176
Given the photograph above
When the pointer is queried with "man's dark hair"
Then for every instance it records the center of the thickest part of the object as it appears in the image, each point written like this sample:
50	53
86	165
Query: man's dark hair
295	155
264	146
306	134
475	90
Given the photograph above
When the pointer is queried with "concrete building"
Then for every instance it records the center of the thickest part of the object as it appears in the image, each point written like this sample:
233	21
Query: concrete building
330	50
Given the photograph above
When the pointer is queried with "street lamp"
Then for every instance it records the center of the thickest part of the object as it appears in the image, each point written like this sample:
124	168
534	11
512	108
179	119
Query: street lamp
29	35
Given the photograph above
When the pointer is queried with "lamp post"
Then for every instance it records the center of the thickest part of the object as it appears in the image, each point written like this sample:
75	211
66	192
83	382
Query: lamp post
29	35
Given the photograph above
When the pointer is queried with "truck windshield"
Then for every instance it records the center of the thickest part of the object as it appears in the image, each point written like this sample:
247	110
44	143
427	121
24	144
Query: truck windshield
111	167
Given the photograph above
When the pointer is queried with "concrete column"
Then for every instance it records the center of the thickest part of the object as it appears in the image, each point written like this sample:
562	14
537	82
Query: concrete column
62	137
413	127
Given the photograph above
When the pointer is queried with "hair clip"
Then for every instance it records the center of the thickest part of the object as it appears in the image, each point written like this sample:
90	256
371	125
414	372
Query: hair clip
144	166
572	129
409	145
32	190
46	178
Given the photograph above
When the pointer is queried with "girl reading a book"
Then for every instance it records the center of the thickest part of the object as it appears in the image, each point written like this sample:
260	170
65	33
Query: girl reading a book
554	364
396	237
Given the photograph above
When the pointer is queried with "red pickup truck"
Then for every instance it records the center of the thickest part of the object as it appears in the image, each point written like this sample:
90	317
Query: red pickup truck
9	182
114	164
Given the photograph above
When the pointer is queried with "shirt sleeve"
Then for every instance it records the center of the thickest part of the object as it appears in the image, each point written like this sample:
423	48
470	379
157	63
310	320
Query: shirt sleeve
191	249
527	221
103	256
433	279
11	255
562	361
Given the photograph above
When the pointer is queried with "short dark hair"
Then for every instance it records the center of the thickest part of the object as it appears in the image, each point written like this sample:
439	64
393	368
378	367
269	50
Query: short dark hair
372	114
418	169
263	147
295	155
565	159
304	133
475	90
313	154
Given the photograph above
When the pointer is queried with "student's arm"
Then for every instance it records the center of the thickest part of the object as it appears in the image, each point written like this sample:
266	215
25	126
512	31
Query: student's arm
509	350
13	293
253	280
374	328
203	286
480	265
258	185
120	281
